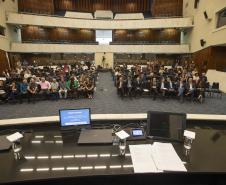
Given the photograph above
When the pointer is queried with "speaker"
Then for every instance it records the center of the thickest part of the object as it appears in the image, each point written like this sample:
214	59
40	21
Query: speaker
202	42
205	15
196	4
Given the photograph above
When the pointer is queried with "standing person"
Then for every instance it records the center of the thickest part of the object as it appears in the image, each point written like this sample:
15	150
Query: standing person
63	89
23	90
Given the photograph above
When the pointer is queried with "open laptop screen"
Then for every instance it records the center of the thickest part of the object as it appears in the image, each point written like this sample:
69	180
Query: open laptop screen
166	125
75	117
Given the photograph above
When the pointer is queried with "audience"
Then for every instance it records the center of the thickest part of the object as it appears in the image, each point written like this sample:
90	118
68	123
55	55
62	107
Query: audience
181	80
39	83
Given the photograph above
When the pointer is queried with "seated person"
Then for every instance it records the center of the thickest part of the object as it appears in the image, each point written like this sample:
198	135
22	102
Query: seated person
171	87
32	90
13	91
190	87
163	87
45	87
82	89
23	90
200	91
154	87
72	87
63	89
129	86
54	88
196	78
90	89
181	89
138	86
3	93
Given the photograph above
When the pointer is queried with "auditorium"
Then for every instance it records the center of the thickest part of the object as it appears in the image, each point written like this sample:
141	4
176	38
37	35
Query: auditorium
114	92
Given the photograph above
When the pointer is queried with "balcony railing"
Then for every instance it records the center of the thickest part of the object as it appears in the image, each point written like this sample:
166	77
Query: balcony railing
89	48
56	21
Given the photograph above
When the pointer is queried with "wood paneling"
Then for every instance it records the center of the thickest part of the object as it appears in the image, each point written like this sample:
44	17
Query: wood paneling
203	60
125	6
147	35
211	58
157	8
219	57
36	6
167	8
3	61
41	34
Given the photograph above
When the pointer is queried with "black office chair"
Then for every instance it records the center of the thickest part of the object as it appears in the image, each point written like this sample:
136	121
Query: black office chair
215	89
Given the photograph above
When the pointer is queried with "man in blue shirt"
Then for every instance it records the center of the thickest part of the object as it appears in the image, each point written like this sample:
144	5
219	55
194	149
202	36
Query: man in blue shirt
23	90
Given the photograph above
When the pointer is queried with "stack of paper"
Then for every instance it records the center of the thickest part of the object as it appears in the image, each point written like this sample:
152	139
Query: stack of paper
166	158
142	159
158	157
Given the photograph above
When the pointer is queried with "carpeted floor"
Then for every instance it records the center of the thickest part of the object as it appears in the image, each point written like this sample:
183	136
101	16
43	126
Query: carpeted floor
106	101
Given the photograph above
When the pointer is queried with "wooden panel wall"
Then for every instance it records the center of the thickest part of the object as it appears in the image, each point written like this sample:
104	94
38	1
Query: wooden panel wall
116	6
152	36
203	60
40	34
157	7
167	8
3	61
36	6
219	57
211	58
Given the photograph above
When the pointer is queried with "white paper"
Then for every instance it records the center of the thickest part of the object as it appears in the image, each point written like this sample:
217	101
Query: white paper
122	134
189	134
14	137
166	158
142	159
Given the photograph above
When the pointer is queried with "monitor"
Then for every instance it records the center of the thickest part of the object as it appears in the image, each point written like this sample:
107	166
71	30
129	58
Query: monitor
166	125
74	117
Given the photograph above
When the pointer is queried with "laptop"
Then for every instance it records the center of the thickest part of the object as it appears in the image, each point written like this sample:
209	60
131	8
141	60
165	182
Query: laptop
96	136
74	120
71	121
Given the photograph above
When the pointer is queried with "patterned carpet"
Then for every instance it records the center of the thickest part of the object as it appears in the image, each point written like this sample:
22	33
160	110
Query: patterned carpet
106	101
